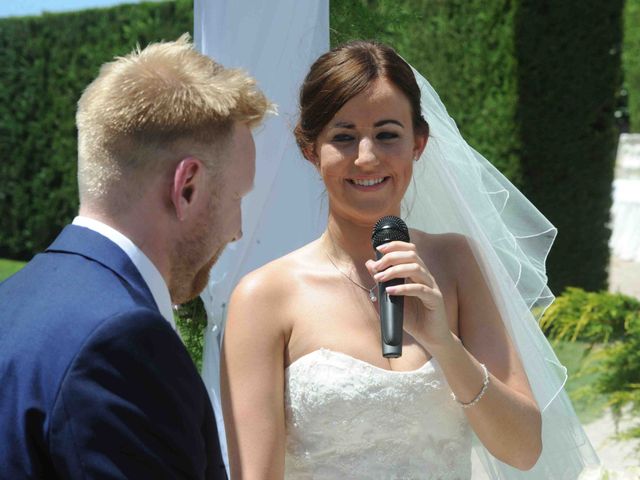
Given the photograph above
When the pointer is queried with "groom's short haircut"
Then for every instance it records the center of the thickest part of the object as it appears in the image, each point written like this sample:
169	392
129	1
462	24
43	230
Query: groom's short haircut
146	109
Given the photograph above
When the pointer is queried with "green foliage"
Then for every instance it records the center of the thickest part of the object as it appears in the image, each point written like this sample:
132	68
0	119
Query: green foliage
9	267
631	61
611	324
191	320
573	355
47	61
590	317
569	76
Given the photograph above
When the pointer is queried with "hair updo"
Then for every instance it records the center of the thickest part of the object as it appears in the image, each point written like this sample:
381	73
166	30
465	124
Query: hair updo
341	74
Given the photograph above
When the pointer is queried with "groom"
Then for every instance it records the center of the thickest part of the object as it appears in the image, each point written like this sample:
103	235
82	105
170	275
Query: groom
94	380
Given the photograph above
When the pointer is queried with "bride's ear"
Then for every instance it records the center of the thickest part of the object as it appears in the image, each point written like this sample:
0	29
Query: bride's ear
420	142
312	158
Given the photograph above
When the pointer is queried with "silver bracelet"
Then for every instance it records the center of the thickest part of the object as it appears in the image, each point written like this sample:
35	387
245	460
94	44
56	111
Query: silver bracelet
485	384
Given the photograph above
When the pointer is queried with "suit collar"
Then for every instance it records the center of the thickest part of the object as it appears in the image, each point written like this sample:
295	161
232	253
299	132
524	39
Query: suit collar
94	246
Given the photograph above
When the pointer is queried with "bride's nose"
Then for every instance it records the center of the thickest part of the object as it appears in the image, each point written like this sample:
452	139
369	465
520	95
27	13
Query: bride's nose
366	153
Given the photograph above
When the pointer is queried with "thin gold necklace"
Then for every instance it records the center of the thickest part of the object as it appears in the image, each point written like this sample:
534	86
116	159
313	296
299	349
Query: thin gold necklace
370	291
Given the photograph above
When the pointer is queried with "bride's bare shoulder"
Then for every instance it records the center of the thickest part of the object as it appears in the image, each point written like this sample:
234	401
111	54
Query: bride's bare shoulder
273	284
439	242
451	249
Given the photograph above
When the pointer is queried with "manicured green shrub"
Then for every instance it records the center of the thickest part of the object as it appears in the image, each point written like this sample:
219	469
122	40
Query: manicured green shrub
611	324
569	77
589	316
631	62
46	63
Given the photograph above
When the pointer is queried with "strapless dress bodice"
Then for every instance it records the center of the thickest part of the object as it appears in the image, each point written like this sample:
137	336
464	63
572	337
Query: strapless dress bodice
346	418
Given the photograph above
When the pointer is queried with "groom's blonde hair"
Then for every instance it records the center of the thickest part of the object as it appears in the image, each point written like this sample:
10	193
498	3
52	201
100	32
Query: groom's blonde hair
137	117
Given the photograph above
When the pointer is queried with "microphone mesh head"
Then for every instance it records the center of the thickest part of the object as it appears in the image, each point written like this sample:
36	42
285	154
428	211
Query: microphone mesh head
389	229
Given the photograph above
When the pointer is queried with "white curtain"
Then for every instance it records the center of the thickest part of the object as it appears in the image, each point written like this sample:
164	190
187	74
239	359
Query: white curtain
625	211
275	41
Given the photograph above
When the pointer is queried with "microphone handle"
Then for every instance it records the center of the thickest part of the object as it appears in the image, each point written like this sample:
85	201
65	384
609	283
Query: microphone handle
391	317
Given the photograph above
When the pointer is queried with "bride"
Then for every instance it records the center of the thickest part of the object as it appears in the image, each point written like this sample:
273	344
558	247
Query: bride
306	391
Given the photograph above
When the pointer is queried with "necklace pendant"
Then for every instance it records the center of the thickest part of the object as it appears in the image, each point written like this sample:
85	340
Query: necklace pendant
372	295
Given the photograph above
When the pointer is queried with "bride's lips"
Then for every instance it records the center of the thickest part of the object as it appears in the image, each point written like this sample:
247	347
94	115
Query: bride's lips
369	184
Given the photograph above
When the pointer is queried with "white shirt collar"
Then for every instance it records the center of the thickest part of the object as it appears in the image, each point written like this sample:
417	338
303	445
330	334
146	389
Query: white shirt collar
147	269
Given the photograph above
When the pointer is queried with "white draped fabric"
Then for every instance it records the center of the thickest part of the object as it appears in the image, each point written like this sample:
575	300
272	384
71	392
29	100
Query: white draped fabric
625	211
455	189
275	41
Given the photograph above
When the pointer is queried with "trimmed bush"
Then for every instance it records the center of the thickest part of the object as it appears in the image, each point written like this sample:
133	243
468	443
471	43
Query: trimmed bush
47	61
568	80
590	317
631	62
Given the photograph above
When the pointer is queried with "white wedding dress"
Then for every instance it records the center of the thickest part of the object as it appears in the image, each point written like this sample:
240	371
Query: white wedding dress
346	418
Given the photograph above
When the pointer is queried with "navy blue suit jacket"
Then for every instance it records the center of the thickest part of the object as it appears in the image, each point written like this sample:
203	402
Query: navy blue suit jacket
94	383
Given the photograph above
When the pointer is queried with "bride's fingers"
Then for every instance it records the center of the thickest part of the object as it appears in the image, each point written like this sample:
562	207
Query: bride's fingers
398	257
396	246
430	297
412	271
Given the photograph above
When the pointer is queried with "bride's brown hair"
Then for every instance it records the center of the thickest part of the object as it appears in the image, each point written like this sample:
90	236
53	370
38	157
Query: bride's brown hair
341	74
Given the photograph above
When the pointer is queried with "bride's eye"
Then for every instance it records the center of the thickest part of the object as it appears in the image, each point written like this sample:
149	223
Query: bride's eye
387	135
342	138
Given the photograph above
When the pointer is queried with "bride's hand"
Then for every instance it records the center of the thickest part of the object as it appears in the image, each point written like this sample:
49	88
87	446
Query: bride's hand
428	322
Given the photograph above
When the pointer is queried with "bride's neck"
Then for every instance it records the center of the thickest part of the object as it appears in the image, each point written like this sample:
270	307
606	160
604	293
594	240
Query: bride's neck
348	242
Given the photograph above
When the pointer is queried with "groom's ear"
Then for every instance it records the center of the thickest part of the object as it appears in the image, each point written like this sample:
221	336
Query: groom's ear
186	186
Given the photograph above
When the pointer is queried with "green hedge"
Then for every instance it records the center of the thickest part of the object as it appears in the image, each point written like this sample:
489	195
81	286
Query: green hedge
568	79
631	62
46	63
531	85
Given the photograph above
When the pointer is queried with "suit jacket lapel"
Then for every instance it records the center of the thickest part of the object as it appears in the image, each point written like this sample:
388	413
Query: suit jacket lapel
94	246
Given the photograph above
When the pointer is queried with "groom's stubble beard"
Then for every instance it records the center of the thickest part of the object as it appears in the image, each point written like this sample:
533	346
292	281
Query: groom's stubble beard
193	260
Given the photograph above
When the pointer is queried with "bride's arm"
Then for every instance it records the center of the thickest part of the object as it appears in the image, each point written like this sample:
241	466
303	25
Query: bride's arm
252	380
506	418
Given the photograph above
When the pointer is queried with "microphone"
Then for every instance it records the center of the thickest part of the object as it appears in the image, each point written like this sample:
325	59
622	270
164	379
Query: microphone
391	308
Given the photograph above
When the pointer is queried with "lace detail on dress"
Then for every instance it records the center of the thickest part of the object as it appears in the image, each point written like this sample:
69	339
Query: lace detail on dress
346	418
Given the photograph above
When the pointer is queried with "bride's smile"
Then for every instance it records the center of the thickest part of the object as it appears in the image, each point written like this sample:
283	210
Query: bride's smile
365	154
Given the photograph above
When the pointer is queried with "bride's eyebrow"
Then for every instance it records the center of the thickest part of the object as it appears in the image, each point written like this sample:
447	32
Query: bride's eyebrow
379	123
343	125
